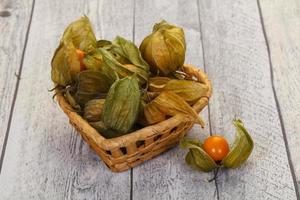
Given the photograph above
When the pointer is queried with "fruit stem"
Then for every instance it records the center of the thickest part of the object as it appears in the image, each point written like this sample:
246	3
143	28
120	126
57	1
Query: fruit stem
216	171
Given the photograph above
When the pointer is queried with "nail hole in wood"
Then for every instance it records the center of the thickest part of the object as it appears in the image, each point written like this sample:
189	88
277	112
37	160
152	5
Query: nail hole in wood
5	13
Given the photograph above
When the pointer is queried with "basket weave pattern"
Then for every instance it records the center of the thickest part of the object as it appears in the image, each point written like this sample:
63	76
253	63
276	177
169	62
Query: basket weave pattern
127	151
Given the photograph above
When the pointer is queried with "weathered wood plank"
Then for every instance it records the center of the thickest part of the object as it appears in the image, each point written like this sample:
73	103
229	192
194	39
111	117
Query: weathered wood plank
14	21
237	62
167	176
282	25
45	158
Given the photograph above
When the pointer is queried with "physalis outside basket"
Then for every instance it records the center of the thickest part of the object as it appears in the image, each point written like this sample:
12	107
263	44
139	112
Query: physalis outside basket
127	151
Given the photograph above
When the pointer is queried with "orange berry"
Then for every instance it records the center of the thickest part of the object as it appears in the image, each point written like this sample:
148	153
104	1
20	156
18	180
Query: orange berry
216	147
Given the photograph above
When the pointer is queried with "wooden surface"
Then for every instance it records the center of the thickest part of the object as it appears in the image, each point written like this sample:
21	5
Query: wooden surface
251	52
14	21
282	29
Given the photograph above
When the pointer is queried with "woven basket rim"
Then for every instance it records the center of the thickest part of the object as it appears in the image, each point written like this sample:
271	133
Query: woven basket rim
141	134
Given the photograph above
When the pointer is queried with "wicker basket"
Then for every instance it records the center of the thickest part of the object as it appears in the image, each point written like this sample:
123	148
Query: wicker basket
129	150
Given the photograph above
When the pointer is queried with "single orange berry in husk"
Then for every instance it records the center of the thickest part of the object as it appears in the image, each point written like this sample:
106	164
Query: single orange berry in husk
216	147
80	55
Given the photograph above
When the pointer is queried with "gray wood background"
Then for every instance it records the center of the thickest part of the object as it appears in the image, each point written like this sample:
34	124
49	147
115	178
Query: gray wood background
249	49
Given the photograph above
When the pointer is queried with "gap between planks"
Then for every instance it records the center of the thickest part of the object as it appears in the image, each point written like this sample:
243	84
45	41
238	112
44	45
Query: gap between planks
208	105
283	130
16	89
133	36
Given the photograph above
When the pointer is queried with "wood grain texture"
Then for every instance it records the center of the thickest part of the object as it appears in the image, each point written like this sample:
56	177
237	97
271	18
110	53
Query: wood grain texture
45	158
168	176
236	59
14	21
282	25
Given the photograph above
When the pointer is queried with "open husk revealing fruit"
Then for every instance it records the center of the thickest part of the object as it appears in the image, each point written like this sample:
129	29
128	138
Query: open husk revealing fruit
240	151
65	62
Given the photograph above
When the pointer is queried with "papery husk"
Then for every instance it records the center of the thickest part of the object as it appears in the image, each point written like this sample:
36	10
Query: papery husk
110	62
156	84
190	91
102	128
197	158
241	148
65	64
137	70
93	110
141	120
153	114
170	104
121	106
149	96
69	97
93	60
80	33
124	54
105	131
94	81
91	85
106	44
130	52
114	50
164	49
